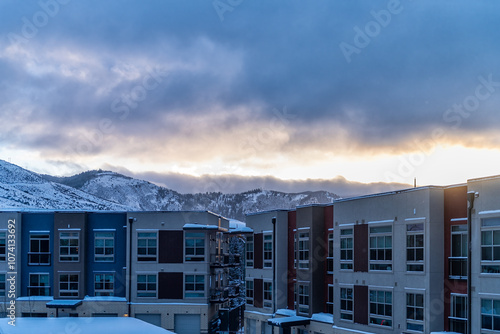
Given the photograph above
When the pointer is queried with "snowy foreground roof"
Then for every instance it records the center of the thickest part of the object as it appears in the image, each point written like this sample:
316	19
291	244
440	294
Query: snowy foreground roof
112	325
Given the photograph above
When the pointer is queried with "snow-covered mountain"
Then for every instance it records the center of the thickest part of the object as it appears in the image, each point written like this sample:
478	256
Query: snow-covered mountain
20	188
104	190
143	195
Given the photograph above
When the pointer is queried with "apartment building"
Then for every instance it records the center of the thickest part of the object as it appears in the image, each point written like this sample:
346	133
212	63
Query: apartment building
287	280
485	273
166	268
369	264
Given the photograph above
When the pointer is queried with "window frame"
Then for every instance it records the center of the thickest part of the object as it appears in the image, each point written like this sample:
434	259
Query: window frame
490	266
267	292
347	248
329	257
195	237
494	304
346	297
453	307
249	251
303	250
3	284
69	292
69	236
380	305
110	291
37	237
377	263
3	245
39	287
303	298
415	309
147	236
148	292
458	230
330	299
104	257
249	291
267	251
196	292
416	265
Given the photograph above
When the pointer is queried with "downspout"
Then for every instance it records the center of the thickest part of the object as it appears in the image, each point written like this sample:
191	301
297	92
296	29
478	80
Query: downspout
130	221
274	266
471	196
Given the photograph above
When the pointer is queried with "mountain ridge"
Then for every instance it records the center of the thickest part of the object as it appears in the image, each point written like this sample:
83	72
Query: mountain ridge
107	190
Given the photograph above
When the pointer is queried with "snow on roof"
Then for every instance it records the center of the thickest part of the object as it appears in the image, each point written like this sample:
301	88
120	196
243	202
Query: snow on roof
241	230
323	317
200	227
111	325
295	320
69	303
104	299
286	312
35	298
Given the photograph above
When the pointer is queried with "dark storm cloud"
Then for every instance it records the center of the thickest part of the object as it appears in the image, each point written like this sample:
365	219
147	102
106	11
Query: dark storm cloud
263	55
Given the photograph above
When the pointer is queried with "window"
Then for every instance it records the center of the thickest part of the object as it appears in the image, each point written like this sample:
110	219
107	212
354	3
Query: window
146	246
490	245
249	292
329	301
104	284
381	248
329	259
2	285
346	303
69	246
268	294
458	260
39	253
146	285
195	246
194	286
381	308
346	249
415	312
458	313
303	298
249	251
303	250
3	242
490	314
268	251
39	285
68	285
415	247
104	246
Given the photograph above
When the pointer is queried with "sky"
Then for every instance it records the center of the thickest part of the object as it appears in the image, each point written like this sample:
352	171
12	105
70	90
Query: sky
293	91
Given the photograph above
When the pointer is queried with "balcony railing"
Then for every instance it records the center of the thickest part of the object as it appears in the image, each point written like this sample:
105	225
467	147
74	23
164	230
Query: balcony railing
458	325
457	267
220	295
225	260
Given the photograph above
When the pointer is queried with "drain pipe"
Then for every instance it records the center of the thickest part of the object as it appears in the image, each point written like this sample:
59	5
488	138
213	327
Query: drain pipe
471	196
130	221
273	221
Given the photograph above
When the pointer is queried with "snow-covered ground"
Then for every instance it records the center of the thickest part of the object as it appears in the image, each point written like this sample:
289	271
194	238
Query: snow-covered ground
112	325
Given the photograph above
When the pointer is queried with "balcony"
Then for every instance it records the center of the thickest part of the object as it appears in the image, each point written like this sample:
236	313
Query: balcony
224	260
219	296
457	268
